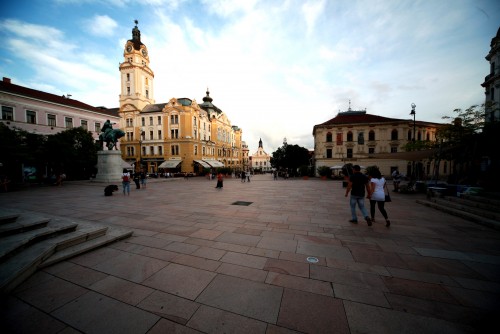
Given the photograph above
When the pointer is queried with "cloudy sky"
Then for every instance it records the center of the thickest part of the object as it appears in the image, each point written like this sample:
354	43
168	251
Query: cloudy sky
276	67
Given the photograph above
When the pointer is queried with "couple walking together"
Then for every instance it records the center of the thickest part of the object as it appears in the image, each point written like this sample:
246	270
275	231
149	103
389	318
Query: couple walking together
374	185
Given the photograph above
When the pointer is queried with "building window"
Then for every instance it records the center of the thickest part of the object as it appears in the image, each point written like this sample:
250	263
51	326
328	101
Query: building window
130	136
130	151
30	117
174	133
151	120
328	153
195	150
51	120
371	150
349	136
84	124
151	135
159	120
349	153
151	150
68	121
97	127
394	149
409	135
7	113
130	122
143	121
160	150
371	135
419	135
128	76
394	134
339	138
128	91
329	137
159	134
427	136
175	149
361	138
174	119
147	94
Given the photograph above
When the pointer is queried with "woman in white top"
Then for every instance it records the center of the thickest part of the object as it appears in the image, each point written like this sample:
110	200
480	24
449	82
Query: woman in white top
377	185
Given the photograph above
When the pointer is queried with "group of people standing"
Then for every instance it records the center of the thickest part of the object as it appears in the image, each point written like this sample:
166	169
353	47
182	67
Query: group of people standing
139	179
375	185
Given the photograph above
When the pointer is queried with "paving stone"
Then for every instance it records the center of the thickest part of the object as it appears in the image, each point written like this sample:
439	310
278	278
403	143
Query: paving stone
95	313
348	277
181	247
417	289
356	266
149	241
246	260
242	272
169	306
51	294
287	267
312	313
122	290
239	239
206	234
300	283
301	258
336	252
438	266
377	320
211	320
422	276
166	326
196	262
357	294
132	267
180	280
378	258
285	245
80	275
248	298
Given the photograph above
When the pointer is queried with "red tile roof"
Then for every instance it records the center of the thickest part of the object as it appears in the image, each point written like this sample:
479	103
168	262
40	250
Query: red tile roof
7	86
360	117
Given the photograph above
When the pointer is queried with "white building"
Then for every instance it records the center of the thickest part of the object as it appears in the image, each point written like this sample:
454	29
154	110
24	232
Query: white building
491	82
260	160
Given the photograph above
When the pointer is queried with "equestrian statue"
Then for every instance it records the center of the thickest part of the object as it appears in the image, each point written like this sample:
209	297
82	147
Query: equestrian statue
109	135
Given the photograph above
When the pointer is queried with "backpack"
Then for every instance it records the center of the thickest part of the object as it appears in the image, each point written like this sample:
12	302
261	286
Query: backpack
125	178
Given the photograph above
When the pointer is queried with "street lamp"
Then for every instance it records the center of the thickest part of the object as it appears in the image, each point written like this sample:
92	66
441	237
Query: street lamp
140	148
414	114
413	171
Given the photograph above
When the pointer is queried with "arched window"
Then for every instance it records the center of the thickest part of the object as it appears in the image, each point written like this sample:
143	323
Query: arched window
419	135
371	135
329	137
394	134
427	136
409	135
349	136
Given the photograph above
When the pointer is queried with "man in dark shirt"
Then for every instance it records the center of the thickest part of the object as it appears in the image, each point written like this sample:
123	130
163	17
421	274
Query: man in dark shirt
357	184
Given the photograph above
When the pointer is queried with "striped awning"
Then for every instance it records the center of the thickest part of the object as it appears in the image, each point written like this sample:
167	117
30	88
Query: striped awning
170	164
214	163
203	163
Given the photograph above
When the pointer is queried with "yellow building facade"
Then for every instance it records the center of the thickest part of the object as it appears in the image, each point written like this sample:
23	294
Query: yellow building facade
178	136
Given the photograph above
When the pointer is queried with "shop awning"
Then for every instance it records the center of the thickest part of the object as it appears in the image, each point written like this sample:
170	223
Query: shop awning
203	163
214	163
170	164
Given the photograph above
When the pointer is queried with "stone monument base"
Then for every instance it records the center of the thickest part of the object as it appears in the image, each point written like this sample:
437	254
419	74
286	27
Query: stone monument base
109	167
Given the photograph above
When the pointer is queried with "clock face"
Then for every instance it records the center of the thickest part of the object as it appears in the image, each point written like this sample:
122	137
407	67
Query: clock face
144	52
129	48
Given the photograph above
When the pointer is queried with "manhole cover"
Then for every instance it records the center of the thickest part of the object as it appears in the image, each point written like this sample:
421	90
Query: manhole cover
312	259
242	203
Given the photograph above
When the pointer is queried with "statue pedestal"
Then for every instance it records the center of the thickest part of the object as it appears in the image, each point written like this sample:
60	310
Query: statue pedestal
109	167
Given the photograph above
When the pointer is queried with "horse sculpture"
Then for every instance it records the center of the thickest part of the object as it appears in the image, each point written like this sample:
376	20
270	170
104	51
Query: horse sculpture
110	137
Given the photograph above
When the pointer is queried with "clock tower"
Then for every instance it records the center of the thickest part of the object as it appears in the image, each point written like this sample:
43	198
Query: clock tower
136	76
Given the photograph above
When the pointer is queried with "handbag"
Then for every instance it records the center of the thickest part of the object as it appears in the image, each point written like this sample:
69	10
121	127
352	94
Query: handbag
387	196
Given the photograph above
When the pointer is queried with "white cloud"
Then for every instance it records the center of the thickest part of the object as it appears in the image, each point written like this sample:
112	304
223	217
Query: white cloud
101	25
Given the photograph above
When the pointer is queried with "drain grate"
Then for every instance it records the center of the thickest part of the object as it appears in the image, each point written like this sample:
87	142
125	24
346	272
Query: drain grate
242	203
312	259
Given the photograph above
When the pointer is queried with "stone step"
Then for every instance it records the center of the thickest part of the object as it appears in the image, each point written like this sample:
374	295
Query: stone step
113	234
10	245
484	198
467	206
7	216
22	224
463	214
474	202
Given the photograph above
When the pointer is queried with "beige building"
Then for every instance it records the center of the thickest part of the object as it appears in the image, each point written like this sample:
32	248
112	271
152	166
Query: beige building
360	138
178	136
260	160
47	114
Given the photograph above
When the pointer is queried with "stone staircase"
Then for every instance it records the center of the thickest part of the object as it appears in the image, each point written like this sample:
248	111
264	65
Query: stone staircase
30	241
480	209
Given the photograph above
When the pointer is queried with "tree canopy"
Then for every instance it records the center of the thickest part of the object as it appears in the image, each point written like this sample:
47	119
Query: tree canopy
290	157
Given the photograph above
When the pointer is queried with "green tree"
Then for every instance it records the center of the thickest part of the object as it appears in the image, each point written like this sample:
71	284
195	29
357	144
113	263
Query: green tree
290	157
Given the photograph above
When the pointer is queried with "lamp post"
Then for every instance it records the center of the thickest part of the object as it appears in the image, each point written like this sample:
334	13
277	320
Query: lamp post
413	172
414	114
140	148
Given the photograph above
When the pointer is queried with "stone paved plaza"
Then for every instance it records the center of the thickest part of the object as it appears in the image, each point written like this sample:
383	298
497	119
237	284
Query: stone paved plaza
197	263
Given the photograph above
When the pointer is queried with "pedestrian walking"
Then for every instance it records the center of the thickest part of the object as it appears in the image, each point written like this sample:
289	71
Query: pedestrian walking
243	178
126	182
143	176
357	184
377	186
396	179
219	181
137	180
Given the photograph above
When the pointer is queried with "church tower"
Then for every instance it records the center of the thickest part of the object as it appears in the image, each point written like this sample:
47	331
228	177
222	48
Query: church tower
136	76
